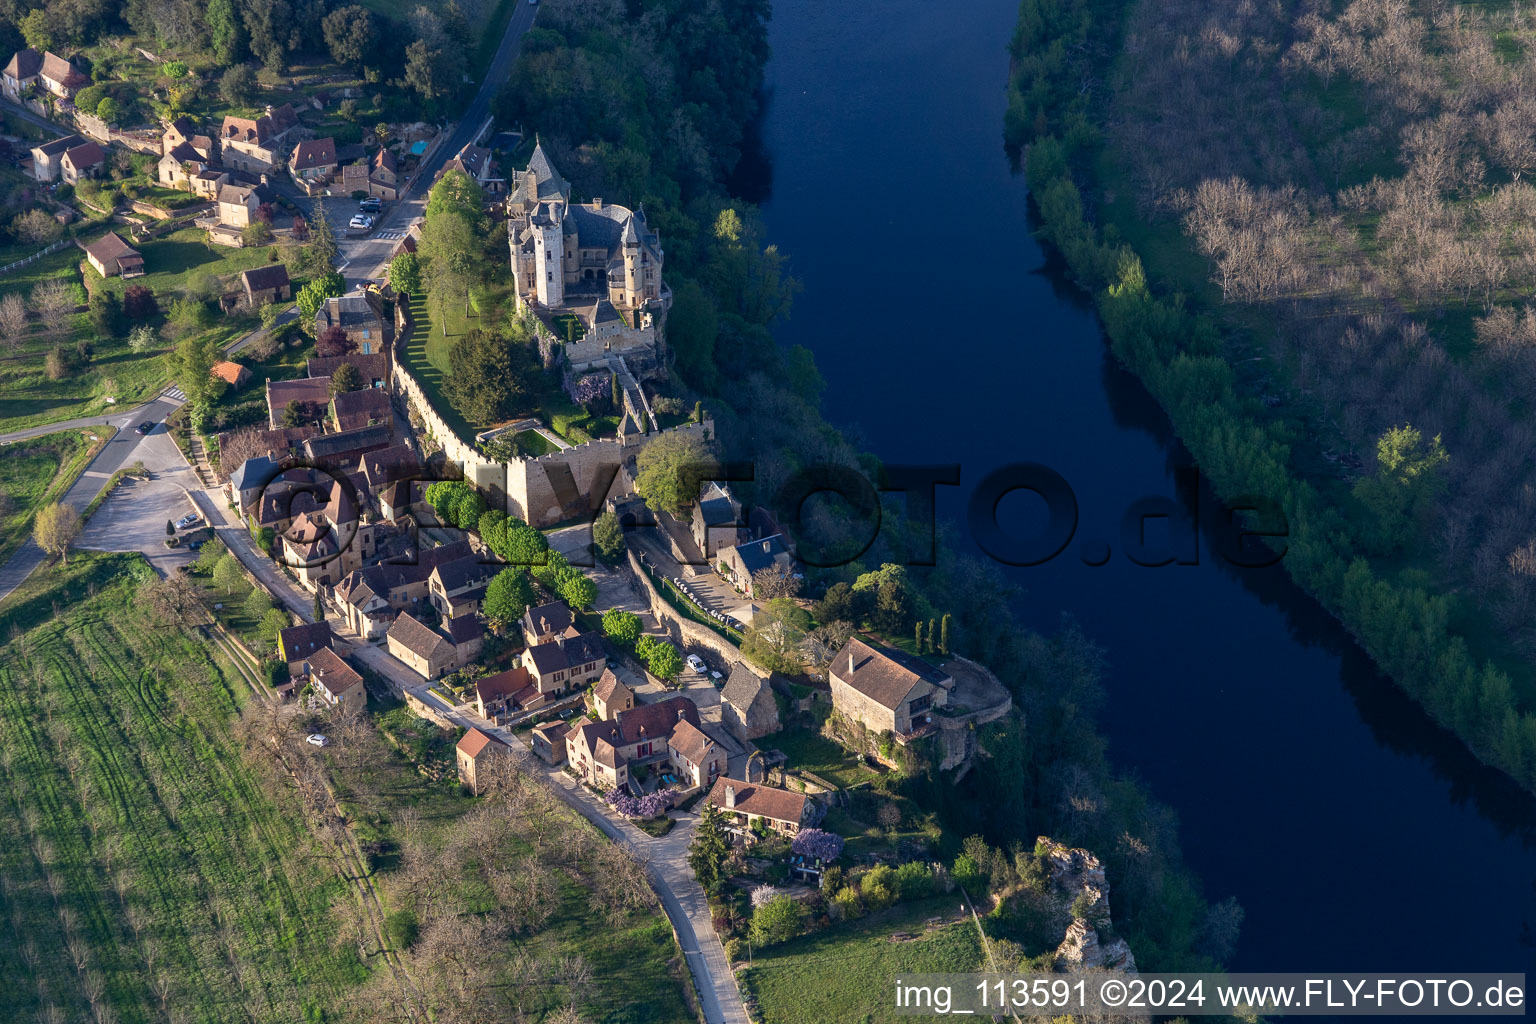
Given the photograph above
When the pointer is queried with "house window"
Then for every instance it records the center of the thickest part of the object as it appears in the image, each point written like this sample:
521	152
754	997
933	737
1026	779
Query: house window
920	705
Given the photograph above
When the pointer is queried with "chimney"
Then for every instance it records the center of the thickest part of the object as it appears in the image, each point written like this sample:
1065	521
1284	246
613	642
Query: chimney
850	662
730	796
679	714
597	202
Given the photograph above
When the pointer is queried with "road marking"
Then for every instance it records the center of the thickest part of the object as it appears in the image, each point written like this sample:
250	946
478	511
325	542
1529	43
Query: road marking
388	236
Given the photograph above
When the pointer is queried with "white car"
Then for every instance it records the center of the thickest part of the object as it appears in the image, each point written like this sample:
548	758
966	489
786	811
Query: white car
362	222
697	664
188	520
316	739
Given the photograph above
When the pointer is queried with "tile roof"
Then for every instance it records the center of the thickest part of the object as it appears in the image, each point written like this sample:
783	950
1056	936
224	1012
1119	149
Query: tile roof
314	153
554	617
237	195
24	64
111	246
502	684
85	155
883	674
474	743
299	642
765	801
758	555
415	637
608	686
690	742
316	391
273	275
354	409
332	673
231	373
57	69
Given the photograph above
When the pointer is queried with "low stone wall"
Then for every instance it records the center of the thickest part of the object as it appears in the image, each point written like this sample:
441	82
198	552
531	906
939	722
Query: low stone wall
421	709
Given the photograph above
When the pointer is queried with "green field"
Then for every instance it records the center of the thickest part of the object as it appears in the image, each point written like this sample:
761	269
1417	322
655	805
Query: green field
34	472
845	972
144	862
171	262
810	751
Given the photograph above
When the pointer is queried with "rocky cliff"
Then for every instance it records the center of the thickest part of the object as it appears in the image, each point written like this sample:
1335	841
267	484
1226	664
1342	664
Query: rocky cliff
1077	879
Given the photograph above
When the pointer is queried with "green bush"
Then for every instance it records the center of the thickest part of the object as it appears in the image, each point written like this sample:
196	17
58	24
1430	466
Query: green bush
914	881
401	928
878	887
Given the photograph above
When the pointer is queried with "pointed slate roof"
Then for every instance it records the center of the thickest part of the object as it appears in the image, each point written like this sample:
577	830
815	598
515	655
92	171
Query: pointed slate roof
547	179
630	237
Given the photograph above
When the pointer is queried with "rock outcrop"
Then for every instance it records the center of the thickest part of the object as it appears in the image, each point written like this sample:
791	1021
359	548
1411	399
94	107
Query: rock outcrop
1078	880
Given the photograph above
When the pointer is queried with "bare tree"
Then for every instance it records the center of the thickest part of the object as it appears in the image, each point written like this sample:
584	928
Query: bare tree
52	299
13	320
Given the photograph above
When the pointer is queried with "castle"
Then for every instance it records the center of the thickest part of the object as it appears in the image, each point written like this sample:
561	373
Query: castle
597	262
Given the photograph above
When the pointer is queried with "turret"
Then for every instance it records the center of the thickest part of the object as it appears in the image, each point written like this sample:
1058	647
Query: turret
634	274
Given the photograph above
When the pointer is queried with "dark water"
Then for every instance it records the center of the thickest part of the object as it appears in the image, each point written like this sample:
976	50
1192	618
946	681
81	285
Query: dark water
1357	834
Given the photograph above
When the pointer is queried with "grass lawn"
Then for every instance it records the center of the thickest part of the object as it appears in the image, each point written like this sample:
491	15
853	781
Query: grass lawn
426	356
248	405
28	398
532	442
171	262
845	972
36	471
137	840
810	751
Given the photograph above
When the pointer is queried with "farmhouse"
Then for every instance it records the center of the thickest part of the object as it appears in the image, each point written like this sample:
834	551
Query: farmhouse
83	161
714	521
110	255
297	644
746	804
566	663
45	70
48	159
313	161
602	753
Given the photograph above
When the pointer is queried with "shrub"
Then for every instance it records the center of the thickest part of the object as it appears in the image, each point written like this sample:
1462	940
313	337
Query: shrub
878	887
778	920
847	901
139	302
401	928
913	881
733	948
818	844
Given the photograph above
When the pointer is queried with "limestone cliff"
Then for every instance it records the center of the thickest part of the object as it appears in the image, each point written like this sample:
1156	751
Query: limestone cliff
1077	879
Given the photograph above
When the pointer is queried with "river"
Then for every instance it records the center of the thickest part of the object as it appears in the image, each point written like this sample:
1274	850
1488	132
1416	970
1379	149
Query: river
1356	834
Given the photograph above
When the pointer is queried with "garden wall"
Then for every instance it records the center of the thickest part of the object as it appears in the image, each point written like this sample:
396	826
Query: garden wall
689	633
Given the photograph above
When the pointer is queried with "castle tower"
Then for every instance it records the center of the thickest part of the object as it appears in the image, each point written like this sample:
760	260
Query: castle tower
549	260
634	274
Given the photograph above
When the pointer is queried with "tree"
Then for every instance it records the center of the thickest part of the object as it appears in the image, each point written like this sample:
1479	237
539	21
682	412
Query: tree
817	845
191	366
608	537
622	627
773	640
313	295
669	471
1409	477
256	233
226	31
228	575
110	111
106	313
334	341
35	226
507	597
433	70
709	849
457	193
36	31
257	603
273	623
56	528
490	377
778	920
51	300
664	661
405	274
777	579
323	250
579	592
345	378
139	302
837	605
297	413
238	86
351	34
13	318
170	528
319	609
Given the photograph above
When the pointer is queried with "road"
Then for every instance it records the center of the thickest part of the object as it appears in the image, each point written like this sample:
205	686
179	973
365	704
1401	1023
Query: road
364	259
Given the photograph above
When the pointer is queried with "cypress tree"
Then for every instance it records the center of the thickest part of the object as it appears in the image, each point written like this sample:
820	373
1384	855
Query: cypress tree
944	633
929	641
319	608
917	636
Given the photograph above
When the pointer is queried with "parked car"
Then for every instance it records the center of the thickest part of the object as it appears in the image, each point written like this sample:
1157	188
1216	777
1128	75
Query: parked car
145	427
697	664
316	739
361	222
191	519
373	204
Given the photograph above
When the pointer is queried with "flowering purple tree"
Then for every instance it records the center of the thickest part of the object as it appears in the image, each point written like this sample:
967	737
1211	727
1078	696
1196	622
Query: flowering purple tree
589	388
817	844
652	805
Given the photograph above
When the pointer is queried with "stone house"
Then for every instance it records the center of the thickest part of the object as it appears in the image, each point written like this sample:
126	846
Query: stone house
467	635
695	757
333	681
610	696
887	690
312	393
548	741
355	314
324	545
110	255
313	161
266	284
545	623
746	803
714	521
48	159
497	696
740	563
747	705
372	368
457	588
425	650
384	175
474	749
602	754
566	663
257	145
370	598
83	161
297	644
238	204
46	70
